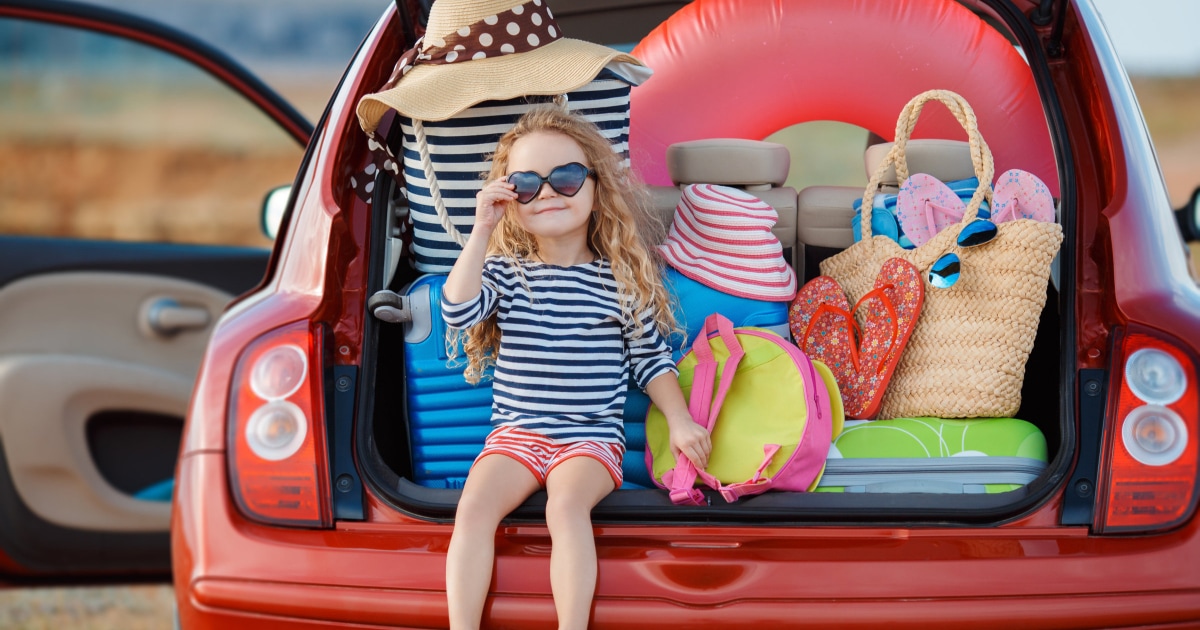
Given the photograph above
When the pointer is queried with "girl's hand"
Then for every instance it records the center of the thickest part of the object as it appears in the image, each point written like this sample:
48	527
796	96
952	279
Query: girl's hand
490	204
690	439
465	278
687	438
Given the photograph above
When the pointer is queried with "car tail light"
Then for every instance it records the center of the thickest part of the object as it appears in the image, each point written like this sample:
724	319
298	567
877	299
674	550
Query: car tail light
1151	444
278	465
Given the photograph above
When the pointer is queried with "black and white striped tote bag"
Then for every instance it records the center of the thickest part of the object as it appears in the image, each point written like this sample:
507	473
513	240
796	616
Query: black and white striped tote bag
445	162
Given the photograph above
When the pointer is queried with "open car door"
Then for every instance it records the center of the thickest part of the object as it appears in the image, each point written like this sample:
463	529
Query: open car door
135	160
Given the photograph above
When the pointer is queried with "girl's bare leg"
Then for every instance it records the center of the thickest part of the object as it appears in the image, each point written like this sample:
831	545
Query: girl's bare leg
495	486
574	487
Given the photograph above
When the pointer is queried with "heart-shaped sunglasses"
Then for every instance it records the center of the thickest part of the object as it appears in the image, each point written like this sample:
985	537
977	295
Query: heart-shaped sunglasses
566	180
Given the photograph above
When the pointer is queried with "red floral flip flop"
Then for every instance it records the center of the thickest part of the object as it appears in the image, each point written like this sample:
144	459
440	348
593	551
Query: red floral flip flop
862	359
818	321
892	307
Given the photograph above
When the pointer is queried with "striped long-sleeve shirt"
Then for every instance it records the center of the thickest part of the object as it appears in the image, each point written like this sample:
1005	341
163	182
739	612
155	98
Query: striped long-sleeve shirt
566	351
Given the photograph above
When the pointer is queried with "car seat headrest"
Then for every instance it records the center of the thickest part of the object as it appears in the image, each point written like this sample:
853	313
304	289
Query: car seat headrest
747	164
947	160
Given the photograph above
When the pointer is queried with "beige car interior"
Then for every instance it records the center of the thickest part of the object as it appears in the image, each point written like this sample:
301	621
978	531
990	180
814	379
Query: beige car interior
76	344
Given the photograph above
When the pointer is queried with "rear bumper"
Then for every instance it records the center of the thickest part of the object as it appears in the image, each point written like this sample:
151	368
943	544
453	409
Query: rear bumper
301	604
230	573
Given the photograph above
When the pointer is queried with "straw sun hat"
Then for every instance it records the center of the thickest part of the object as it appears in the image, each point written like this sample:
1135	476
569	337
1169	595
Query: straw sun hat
480	50
721	237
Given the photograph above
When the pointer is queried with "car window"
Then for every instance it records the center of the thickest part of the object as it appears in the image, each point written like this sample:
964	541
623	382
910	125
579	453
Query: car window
824	153
103	138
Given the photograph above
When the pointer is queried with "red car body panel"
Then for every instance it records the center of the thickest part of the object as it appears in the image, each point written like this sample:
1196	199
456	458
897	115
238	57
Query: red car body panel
299	271
389	569
392	573
1131	267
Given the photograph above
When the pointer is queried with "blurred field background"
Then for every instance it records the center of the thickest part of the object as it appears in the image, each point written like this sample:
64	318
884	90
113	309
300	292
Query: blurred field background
1172	109
91	608
1171	106
133	191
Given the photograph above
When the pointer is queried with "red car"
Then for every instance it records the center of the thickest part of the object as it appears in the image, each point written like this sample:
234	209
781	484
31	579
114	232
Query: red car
295	504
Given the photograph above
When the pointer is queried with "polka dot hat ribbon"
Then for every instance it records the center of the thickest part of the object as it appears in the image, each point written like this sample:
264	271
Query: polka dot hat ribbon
522	28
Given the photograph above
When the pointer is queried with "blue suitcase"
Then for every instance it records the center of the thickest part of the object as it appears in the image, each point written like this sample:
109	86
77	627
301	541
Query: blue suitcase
448	418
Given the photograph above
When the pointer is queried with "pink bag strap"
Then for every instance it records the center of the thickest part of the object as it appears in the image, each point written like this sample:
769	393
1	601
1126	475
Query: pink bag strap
703	405
809	456
755	485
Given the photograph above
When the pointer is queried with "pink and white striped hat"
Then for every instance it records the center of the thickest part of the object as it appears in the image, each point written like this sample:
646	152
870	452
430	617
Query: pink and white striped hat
721	237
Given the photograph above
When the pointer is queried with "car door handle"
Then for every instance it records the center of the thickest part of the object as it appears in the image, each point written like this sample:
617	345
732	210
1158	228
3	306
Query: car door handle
166	317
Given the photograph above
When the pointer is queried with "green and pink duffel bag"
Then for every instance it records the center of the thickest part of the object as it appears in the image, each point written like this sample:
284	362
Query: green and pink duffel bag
771	411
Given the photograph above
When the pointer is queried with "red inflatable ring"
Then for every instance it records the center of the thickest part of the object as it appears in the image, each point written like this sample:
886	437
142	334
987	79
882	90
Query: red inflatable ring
748	68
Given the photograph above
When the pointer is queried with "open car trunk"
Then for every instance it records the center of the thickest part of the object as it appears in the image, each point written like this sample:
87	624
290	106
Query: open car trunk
384	447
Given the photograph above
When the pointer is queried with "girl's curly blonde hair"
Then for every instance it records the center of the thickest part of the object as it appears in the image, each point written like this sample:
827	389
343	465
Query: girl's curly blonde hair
622	229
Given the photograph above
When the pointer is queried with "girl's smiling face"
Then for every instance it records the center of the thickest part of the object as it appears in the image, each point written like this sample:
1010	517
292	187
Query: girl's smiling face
552	217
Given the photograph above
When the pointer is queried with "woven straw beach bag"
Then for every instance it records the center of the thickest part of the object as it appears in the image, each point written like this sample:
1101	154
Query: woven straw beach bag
966	357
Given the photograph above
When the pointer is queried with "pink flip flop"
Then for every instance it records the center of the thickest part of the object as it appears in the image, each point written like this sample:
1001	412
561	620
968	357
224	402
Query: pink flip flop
1021	195
926	206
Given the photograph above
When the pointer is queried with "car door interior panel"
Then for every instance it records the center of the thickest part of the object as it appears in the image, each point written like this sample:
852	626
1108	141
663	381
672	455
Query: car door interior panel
80	354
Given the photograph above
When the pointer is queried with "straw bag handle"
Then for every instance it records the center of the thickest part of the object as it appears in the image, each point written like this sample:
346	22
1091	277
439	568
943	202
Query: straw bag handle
981	155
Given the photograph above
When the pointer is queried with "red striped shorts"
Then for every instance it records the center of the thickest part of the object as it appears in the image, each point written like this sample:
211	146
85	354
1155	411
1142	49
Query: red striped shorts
541	454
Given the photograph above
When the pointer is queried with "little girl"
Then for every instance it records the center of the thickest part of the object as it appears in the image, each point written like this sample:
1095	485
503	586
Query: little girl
563	297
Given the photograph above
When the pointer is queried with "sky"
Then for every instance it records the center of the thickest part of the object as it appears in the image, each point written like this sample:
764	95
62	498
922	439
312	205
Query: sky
1151	36
1154	36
